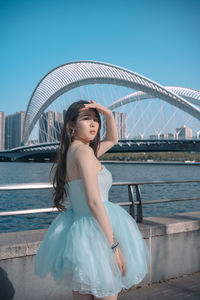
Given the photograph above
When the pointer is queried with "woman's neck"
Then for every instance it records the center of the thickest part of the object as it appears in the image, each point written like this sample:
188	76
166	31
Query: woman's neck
79	141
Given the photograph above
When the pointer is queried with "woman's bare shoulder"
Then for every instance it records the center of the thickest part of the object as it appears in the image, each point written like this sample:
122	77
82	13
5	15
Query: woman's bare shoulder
85	154
84	150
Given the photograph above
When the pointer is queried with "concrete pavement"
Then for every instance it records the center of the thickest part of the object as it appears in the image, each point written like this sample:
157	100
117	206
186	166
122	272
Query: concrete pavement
184	287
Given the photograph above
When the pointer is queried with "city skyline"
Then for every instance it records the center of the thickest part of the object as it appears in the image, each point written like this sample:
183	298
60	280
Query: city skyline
51	122
157	39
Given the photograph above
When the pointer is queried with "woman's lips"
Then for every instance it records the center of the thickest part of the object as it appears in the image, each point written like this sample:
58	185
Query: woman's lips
92	131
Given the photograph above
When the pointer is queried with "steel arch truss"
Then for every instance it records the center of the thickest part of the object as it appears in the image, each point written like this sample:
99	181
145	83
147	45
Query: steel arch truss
71	75
190	95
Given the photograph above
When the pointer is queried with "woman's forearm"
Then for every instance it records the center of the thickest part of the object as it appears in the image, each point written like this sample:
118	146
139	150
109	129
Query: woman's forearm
111	128
99	212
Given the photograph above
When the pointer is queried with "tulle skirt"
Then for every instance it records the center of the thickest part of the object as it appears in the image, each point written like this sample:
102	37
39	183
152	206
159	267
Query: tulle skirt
76	252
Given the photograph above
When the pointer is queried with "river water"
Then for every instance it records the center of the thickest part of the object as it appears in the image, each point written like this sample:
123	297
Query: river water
39	172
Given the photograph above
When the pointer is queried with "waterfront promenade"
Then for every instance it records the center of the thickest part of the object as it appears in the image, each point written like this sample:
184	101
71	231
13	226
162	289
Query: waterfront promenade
174	243
184	287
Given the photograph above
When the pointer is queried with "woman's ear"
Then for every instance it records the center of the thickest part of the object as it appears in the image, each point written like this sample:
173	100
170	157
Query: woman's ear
71	126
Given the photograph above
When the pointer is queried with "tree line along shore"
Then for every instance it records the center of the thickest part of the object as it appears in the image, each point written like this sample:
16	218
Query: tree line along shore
154	156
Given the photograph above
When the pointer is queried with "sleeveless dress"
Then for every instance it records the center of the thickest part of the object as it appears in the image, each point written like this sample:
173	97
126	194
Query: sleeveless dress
76	251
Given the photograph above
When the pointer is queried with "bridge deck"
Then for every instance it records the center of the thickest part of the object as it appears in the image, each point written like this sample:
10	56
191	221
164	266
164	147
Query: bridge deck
42	152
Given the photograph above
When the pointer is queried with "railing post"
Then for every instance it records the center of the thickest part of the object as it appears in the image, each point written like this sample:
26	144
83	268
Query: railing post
139	206
131	199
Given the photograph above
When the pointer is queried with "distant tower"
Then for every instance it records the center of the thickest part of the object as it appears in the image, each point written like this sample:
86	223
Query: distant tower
164	136
50	125
123	125
2	130
153	137
120	120
183	132
14	129
64	112
58	124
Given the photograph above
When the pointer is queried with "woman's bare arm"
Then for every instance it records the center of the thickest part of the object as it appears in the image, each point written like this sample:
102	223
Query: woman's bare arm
86	162
111	134
87	166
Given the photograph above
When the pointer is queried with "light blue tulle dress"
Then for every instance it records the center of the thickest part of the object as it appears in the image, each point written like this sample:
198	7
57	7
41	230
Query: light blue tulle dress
76	251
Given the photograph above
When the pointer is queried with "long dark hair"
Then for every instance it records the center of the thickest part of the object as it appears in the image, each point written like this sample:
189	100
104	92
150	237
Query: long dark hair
60	175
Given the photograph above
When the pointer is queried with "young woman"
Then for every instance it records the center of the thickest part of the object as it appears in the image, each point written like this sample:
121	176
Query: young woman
94	247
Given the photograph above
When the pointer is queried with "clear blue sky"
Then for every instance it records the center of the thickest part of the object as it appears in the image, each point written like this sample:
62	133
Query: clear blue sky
159	39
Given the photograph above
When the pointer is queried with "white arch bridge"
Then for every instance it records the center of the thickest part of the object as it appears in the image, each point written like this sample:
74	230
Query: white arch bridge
75	74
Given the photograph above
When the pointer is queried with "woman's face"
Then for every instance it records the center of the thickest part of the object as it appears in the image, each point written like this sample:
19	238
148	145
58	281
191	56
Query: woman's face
86	126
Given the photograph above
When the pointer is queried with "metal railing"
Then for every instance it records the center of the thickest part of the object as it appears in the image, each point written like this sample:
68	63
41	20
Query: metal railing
134	200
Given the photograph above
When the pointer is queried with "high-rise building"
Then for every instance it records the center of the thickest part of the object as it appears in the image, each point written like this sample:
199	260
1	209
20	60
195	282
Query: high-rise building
170	136
123	125
50	125
14	125
58	124
154	137
2	130
64	112
183	133
163	136
120	120
166	136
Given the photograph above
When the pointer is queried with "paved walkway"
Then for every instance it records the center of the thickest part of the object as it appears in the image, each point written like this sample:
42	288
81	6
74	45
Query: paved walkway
185	287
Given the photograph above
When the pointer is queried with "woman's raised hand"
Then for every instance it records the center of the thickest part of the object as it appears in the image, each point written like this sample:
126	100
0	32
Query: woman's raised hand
120	260
102	109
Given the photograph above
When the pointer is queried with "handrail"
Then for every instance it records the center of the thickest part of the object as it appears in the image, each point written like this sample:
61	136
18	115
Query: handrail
131	203
47	185
26	186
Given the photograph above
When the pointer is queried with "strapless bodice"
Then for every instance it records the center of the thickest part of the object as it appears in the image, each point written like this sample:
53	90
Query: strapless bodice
77	196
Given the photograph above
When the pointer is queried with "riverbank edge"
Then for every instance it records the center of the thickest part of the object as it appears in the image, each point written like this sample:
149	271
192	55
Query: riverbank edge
150	162
142	162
